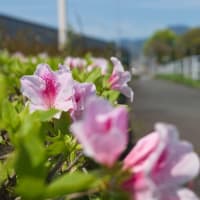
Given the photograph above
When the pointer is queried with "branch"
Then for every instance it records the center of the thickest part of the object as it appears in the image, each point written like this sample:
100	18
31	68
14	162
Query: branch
74	162
56	167
81	194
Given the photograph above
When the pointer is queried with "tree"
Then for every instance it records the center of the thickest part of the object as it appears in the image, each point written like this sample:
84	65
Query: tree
161	45
190	42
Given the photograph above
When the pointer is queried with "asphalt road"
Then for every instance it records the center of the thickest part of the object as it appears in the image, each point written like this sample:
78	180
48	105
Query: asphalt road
164	101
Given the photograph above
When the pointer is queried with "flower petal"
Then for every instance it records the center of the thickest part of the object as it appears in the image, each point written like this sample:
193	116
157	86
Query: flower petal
182	163
63	99
143	149
186	194
127	91
43	70
102	131
117	64
31	87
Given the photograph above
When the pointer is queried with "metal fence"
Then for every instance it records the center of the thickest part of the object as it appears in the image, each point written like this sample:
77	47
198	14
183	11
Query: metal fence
188	67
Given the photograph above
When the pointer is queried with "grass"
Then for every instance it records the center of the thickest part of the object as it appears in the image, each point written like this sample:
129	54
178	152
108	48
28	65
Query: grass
180	79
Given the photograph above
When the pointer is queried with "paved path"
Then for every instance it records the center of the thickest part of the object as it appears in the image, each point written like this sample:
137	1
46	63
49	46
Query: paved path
157	100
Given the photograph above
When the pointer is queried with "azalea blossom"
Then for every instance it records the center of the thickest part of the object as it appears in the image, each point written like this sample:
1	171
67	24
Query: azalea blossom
73	62
161	163
101	63
119	78
81	92
43	55
48	89
20	56
102	130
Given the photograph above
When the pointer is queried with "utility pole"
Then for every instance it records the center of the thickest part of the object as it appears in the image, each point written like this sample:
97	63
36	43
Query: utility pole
62	24
119	31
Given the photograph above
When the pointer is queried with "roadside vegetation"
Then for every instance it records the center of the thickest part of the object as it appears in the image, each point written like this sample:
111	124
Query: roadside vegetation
180	79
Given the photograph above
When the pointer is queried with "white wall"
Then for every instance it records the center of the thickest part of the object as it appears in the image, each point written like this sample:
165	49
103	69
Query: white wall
188	67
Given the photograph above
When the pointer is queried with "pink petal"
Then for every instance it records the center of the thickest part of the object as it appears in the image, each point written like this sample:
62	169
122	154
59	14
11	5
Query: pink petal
31	87
181	163
43	70
141	187
186	194
164	160
124	78
108	147
177	194
117	64
181	166
140	153
33	107
78	130
102	131
127	91
50	91
95	108
63	99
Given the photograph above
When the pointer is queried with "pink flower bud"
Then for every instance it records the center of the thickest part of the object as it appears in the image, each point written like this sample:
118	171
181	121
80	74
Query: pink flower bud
73	62
119	78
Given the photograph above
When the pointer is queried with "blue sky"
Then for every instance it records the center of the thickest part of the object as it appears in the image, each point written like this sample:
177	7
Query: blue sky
109	19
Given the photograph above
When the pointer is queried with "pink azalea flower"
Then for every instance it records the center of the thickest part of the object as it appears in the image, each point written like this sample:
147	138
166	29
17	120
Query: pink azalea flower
102	131
161	164
20	56
100	63
48	89
73	62
81	92
43	55
119	78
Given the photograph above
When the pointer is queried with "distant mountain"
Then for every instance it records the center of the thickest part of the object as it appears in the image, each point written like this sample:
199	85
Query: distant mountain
135	46
179	29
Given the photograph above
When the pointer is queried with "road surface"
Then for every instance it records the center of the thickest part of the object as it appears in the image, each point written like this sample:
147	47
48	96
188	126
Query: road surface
158	100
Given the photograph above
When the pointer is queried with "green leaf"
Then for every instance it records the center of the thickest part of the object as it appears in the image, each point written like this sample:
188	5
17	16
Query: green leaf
113	96
93	75
31	188
10	116
30	159
56	148
78	75
71	183
45	115
3	88
6	168
63	123
30	148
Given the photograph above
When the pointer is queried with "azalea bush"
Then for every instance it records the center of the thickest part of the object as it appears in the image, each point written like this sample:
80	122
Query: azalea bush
63	134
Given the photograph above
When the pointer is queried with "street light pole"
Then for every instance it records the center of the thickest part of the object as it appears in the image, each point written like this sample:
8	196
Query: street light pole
119	31
62	24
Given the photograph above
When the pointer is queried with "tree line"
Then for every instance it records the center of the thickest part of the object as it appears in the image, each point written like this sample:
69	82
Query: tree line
165	45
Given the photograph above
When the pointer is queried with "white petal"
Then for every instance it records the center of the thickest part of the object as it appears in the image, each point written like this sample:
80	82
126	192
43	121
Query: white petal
186	194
